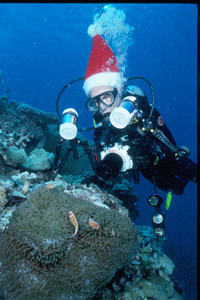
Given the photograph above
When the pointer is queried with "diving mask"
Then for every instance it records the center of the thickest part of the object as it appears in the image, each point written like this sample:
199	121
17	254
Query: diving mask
106	99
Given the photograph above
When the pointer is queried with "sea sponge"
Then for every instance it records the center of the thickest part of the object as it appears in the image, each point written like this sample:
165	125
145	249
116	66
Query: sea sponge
27	178
156	288
39	160
16	155
152	291
42	258
166	263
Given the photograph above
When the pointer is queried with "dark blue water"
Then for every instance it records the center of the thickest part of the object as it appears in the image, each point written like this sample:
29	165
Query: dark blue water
44	46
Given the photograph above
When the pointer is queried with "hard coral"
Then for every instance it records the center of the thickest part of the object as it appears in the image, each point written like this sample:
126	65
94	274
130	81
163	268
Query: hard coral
42	259
14	138
12	146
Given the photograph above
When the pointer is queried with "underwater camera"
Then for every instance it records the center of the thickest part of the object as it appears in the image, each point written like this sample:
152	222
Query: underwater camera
113	160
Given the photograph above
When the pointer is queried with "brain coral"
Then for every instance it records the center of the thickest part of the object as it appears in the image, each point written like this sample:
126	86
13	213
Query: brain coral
41	258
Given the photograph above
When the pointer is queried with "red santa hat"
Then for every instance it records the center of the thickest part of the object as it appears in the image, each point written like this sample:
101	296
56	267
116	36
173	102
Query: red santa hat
102	67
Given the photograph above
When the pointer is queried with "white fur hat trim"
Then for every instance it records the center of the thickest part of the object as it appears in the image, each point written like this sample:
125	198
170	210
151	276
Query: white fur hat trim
112	79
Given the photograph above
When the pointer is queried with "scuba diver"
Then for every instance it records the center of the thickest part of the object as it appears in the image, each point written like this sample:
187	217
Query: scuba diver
131	128
150	146
129	133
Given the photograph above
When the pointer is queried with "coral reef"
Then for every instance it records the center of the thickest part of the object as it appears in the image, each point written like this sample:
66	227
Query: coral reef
15	155
27	178
149	266
148	275
119	187
185	272
157	288
41	258
85	184
29	129
14	138
3	199
12	146
22	130
72	185
5	216
97	196
68	236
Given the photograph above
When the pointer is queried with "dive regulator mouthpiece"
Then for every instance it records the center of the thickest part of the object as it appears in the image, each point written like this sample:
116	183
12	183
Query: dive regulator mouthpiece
121	116
68	128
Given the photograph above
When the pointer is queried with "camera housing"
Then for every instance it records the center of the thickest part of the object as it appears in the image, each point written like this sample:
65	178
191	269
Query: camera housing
114	160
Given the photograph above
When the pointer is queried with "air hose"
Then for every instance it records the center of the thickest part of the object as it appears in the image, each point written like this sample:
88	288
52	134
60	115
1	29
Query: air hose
82	78
60	93
152	92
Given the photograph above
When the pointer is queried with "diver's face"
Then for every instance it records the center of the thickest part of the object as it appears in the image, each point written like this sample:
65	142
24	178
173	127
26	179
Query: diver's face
102	99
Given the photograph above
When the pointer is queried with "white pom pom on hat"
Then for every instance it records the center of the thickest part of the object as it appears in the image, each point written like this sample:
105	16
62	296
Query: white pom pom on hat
102	66
92	31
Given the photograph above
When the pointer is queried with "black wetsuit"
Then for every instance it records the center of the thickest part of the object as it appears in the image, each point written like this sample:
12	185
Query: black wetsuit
153	159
